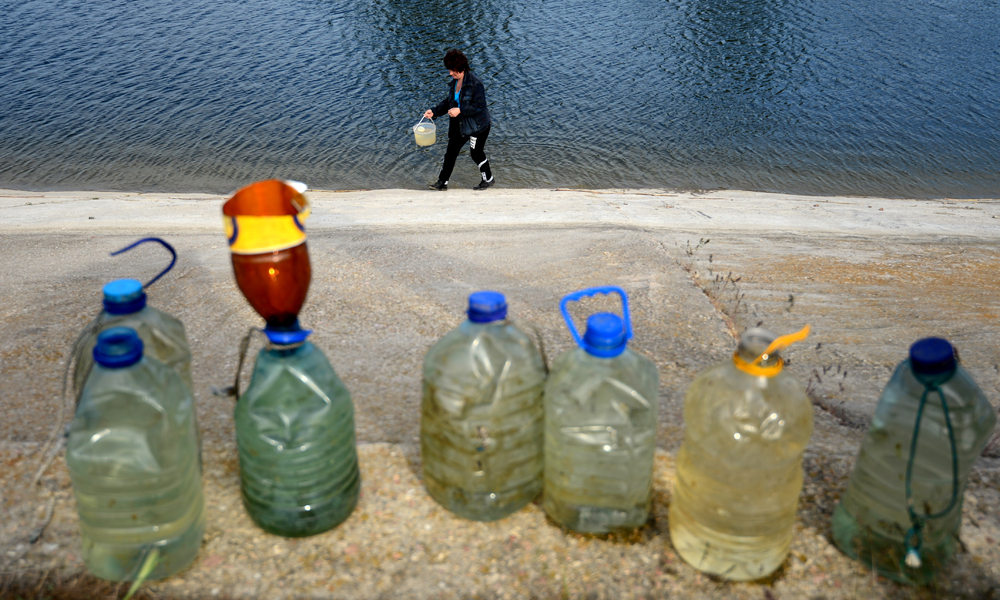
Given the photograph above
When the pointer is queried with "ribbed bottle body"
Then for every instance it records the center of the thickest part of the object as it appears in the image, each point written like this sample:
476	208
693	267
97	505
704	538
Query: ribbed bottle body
133	459
871	521
295	434
600	438
481	420
739	471
162	336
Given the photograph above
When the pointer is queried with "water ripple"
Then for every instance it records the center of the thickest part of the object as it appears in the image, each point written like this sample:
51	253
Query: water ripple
864	97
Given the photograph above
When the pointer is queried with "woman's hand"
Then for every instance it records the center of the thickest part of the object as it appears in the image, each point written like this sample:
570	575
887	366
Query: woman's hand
454	112
429	114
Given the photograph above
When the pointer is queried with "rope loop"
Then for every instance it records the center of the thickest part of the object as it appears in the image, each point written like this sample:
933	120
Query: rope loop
914	536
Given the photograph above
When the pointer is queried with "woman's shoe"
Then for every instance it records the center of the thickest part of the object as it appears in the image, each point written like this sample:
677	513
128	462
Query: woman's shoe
483	185
439	185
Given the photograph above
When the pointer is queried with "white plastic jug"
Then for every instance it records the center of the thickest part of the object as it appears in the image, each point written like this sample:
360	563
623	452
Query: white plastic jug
425	133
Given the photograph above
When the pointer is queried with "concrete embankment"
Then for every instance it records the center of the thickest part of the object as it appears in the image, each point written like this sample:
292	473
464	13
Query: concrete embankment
391	272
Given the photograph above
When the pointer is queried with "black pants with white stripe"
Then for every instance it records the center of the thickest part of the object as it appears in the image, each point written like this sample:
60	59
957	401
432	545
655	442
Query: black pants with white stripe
476	142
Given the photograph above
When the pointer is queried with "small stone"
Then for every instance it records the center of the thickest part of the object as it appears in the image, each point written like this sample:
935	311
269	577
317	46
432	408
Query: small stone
213	561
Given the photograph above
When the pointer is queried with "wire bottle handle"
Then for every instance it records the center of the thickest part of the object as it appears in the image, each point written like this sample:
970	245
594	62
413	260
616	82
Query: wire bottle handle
173	254
577	296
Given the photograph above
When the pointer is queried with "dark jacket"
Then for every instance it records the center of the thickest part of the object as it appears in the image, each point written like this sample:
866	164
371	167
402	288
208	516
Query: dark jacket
475	116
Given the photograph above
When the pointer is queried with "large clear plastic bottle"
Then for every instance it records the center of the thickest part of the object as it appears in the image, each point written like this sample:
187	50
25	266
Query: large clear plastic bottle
133	459
481	416
739	468
902	509
162	335
601	401
295	433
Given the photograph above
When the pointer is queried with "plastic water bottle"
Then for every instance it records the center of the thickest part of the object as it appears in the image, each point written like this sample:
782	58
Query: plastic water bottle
739	469
125	306
601	401
481	416
295	433
162	335
903	506
133	459
295	423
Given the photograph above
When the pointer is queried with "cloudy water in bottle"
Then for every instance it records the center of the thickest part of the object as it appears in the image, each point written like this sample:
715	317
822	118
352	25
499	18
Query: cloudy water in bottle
132	455
739	469
481	415
601	401
902	510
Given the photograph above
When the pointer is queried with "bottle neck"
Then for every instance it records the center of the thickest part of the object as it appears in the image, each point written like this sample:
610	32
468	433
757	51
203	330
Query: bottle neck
750	353
285	350
600	360
469	325
933	380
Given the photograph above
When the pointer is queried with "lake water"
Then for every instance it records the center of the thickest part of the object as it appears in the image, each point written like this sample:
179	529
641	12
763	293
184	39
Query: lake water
895	98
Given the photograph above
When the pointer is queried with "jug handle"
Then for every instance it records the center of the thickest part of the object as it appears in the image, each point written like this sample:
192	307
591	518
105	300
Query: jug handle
170	248
234	390
607	290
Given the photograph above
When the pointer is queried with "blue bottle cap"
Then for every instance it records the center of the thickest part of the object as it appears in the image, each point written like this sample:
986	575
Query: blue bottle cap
286	336
932	356
124	296
605	336
118	347
486	307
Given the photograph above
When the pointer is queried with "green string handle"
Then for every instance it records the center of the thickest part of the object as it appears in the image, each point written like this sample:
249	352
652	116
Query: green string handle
913	540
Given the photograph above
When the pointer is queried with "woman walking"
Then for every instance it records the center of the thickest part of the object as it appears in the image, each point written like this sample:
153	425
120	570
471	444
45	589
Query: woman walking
470	120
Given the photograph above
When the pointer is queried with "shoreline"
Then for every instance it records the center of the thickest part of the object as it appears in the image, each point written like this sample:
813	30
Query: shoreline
463	185
14	191
643	208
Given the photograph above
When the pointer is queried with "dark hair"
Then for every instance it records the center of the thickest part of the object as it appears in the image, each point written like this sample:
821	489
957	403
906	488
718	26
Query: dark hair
454	60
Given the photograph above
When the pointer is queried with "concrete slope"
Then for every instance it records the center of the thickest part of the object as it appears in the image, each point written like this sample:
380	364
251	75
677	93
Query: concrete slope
391	272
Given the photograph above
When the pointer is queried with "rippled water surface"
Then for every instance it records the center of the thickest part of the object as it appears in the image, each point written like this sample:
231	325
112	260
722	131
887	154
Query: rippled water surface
869	97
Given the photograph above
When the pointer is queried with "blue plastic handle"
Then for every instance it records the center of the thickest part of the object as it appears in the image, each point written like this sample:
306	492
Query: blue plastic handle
577	296
173	254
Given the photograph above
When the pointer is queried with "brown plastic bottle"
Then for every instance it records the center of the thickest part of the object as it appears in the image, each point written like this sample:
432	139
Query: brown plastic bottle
267	240
275	283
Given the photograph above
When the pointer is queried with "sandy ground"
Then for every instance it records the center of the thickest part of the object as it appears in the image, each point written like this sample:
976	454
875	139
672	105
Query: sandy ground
391	271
